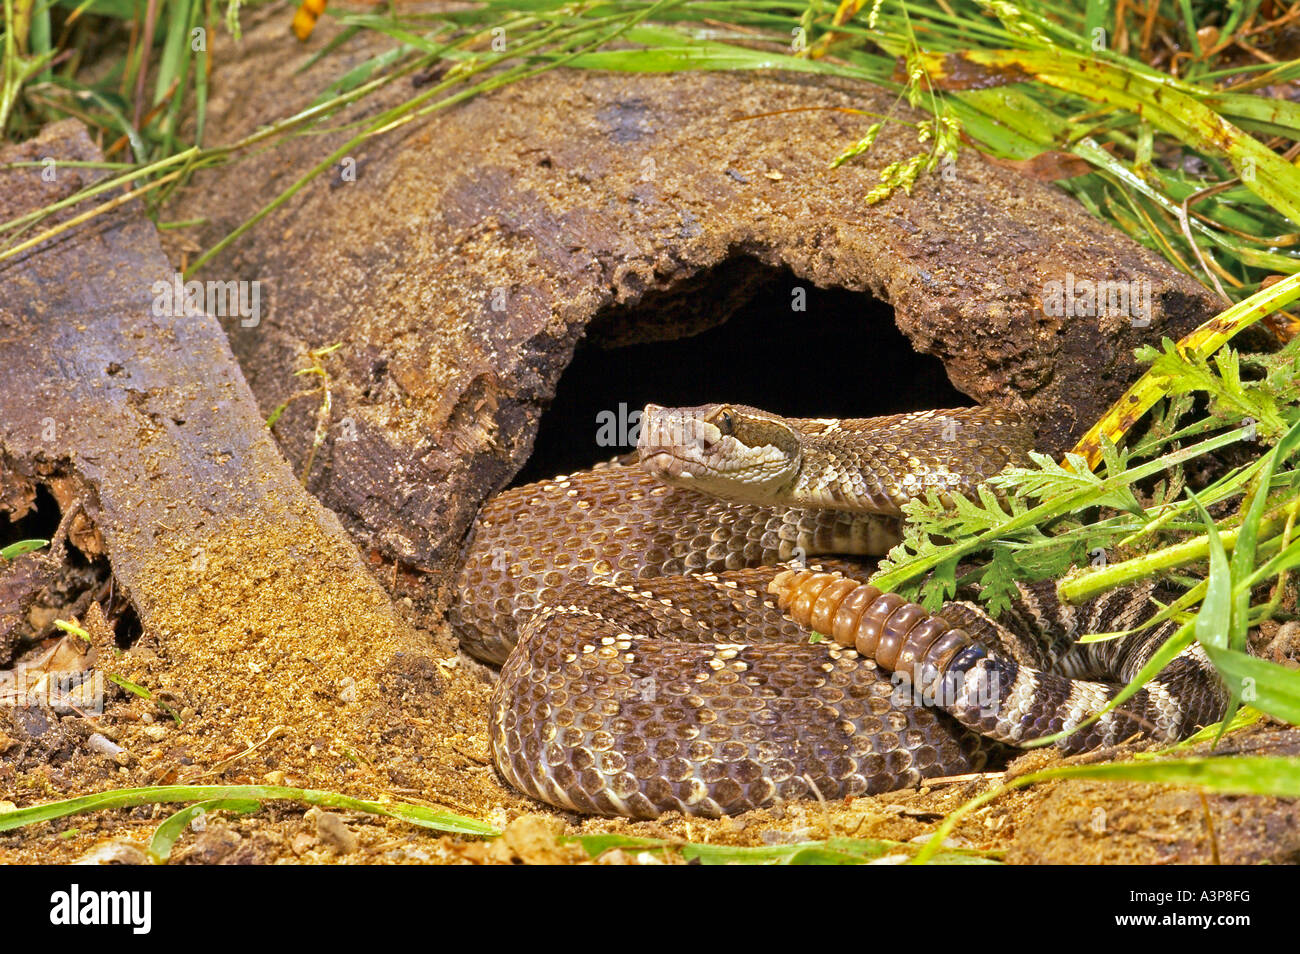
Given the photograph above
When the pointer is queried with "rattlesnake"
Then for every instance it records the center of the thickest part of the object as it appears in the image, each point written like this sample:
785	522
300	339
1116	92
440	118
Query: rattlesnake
651	663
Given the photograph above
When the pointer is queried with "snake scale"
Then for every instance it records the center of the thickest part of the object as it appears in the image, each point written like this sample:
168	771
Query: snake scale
658	646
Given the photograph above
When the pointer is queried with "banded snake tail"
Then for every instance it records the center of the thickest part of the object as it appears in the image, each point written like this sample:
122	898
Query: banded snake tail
651	663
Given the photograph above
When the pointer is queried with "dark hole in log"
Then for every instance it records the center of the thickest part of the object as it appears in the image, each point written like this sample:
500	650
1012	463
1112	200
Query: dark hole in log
39	523
841	357
126	625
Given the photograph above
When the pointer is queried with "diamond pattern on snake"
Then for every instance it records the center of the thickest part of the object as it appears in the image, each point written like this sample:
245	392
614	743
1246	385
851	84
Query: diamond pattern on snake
657	642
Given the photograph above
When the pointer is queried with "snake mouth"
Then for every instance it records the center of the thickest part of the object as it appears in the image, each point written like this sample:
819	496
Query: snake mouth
664	464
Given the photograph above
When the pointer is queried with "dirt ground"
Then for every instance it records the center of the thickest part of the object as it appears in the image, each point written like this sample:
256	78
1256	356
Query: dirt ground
416	732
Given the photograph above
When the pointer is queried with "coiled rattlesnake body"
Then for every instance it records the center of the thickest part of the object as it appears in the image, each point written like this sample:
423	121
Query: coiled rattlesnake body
657	656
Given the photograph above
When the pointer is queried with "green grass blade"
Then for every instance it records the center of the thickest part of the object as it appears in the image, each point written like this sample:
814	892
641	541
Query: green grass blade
175	47
164	837
1155	99
835	851
163	794
832	851
1265	685
1215	619
699	56
1245	716
18	548
1215	616
597	845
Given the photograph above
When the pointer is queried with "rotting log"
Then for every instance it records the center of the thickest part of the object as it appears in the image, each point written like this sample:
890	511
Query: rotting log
458	263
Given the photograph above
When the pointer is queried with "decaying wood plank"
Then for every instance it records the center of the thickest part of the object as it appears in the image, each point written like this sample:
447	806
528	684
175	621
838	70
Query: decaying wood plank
267	624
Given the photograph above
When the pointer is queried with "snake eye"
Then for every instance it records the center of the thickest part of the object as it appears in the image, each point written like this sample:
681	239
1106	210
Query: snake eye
725	424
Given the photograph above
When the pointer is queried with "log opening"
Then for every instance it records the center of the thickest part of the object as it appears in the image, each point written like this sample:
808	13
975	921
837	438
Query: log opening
841	356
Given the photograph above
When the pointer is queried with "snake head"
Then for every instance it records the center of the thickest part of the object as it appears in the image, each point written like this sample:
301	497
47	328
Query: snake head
727	450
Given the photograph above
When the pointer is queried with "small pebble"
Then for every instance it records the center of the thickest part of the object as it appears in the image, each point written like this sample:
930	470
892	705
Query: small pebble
302	842
950	842
334	834
114	853
104	746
